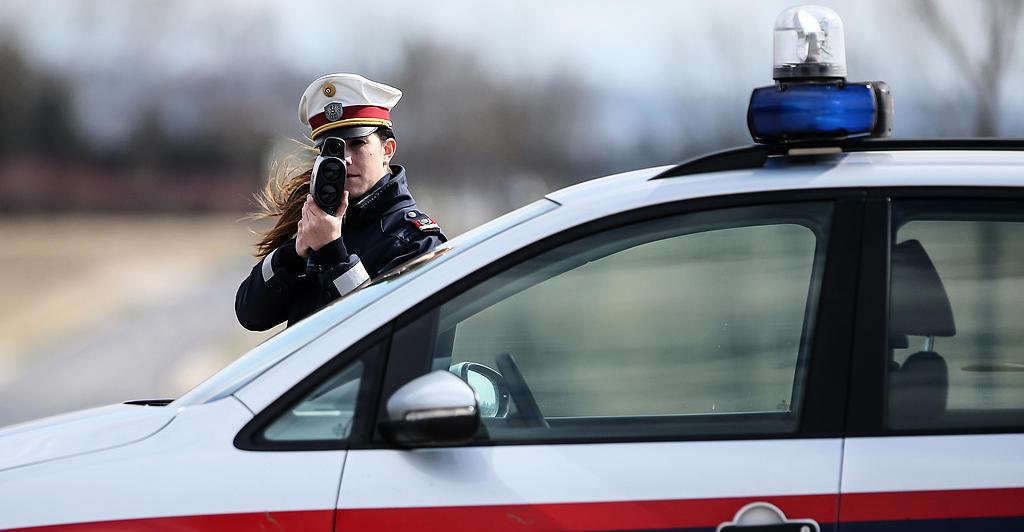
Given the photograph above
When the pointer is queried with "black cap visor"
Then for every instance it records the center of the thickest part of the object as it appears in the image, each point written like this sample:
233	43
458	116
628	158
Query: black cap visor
346	132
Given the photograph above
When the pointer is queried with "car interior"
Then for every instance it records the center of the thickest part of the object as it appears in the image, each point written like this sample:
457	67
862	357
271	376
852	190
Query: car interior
523	411
919	306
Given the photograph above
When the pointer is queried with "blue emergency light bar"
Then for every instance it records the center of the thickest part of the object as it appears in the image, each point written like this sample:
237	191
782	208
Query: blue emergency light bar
793	112
811	99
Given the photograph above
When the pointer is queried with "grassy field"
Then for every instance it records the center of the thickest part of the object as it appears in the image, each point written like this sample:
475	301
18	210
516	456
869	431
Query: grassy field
60	275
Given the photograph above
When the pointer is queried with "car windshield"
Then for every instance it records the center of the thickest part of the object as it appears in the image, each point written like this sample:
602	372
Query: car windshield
266	355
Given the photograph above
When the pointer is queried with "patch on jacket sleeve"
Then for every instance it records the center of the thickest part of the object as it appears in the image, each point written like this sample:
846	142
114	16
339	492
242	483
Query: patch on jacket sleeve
421	221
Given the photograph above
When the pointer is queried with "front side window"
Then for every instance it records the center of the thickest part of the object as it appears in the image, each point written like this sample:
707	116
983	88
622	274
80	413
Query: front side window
694	324
324	414
326	409
956	346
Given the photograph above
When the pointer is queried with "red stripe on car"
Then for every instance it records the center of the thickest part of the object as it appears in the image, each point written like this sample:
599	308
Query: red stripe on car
618	515
580	516
924	505
297	520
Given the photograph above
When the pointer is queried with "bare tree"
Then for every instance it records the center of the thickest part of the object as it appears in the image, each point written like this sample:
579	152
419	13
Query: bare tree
985	76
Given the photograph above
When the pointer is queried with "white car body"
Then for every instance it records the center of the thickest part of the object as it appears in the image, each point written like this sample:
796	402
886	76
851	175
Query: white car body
177	467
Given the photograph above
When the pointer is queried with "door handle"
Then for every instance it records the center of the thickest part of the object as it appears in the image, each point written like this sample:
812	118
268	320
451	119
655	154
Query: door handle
766	517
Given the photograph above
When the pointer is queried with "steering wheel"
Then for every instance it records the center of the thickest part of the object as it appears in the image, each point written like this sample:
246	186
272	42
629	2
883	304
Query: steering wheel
528	410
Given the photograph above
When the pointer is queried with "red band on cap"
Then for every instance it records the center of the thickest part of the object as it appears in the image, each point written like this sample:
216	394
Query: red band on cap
351	112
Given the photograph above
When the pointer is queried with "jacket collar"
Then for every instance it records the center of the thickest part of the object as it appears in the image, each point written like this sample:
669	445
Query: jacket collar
388	194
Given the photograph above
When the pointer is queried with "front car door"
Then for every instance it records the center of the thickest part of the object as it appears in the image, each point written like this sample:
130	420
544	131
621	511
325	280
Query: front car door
682	370
937	403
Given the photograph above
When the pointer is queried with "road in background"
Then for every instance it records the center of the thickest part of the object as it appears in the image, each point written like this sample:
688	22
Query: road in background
102	310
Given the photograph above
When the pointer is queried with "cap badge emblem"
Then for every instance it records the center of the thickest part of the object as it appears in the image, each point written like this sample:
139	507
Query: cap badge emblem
333	111
329	90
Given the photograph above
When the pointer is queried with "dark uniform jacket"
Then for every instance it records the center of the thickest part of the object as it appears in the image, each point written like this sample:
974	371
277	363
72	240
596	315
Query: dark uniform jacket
380	231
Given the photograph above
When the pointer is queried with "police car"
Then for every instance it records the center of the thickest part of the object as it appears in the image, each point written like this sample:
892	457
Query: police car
820	332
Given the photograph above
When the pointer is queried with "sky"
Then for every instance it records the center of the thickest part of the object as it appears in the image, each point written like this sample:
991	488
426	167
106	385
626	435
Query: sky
643	57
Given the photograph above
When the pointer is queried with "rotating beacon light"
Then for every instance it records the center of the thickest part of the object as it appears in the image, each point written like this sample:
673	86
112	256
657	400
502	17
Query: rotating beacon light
811	99
809	44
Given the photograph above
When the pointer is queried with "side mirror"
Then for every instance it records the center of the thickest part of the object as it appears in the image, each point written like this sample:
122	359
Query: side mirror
434	409
492	394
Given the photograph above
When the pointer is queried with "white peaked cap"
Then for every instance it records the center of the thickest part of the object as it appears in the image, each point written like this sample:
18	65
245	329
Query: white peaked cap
349	103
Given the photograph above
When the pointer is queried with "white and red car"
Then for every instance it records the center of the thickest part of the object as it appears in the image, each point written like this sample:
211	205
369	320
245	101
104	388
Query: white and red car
813	336
648	351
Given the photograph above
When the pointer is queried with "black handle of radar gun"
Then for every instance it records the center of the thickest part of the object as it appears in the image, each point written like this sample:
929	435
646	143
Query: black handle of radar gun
311	267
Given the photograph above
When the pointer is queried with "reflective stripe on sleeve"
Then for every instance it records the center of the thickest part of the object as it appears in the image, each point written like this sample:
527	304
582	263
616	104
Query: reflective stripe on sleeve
268	266
348	281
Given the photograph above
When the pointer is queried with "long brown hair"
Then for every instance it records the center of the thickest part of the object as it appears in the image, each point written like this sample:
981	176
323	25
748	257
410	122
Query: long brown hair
283	195
285	192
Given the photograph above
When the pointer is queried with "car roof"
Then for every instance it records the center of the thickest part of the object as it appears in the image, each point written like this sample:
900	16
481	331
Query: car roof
766	168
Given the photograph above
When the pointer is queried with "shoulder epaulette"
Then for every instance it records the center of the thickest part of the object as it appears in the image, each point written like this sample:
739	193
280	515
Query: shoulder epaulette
421	221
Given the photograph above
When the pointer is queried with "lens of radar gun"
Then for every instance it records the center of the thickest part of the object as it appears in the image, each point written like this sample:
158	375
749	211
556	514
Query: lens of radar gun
330	170
332	148
329	194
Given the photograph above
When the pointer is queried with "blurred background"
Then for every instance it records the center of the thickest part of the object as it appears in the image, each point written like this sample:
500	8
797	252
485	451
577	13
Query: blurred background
134	133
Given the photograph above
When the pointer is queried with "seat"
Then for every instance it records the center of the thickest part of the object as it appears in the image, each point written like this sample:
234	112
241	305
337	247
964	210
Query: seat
919	306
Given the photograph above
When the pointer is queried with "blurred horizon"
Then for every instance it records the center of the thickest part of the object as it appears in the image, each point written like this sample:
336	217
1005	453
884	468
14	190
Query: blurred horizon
148	106
134	133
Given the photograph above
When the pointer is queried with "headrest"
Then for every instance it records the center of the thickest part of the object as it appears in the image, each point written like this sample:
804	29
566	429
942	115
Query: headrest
918	304
898	341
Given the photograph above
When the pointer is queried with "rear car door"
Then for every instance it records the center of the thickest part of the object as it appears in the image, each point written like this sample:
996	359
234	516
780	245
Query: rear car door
672	368
937	403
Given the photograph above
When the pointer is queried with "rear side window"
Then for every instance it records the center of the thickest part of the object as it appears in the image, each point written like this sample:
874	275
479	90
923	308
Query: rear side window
956	344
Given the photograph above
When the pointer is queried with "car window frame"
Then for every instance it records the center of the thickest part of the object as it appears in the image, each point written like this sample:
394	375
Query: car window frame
824	403
866	403
250	437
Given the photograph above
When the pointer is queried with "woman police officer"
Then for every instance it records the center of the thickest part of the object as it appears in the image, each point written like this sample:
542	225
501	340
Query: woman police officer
376	227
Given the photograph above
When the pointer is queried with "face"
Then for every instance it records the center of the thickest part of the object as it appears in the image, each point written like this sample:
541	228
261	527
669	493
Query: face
367	159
